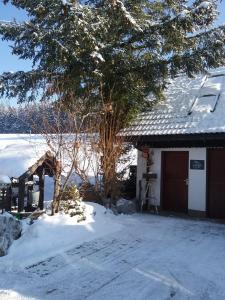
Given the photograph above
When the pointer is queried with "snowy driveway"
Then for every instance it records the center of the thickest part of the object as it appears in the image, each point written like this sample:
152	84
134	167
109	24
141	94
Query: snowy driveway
152	257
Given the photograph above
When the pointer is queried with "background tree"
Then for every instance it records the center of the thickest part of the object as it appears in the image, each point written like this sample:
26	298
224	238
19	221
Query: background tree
111	55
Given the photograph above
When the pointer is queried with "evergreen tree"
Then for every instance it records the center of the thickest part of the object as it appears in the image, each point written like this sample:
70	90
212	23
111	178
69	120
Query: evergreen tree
112	54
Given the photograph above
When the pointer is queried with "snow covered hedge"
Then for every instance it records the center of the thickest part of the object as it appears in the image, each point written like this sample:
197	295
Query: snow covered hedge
10	230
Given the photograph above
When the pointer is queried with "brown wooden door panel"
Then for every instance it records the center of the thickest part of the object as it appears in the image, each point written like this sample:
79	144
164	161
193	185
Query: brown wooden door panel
216	183
174	175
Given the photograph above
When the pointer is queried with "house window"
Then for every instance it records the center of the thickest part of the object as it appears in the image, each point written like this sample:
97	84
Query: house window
208	94
205	103
212	85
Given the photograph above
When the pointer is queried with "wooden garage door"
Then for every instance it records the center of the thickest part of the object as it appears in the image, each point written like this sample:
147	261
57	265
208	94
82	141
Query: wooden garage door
174	181
216	183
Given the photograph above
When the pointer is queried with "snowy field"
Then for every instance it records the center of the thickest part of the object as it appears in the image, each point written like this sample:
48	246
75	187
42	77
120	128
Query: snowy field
142	257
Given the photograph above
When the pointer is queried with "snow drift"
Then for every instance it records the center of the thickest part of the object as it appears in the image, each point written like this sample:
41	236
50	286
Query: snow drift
50	235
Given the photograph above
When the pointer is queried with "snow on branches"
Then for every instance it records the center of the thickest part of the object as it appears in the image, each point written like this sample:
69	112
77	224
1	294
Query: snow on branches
127	43
127	15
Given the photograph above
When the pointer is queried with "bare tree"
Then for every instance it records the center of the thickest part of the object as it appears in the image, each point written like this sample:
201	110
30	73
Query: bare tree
67	136
81	136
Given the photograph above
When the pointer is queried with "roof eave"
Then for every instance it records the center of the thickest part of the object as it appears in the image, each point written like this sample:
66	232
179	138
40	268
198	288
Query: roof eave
179	140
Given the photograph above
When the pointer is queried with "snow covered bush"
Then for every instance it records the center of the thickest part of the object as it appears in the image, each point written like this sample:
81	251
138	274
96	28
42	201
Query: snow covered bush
71	203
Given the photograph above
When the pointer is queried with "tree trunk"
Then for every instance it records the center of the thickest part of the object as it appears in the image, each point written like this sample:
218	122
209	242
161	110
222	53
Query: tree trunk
57	188
110	154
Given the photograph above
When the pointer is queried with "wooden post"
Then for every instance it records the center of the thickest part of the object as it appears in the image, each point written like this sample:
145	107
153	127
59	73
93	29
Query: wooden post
41	176
8	199
2	200
29	190
140	195
21	195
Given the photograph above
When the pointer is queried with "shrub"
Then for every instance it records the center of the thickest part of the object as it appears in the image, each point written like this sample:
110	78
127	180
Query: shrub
71	203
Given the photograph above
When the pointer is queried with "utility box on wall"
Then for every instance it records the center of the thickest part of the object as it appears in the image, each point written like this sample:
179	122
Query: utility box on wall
149	176
197	164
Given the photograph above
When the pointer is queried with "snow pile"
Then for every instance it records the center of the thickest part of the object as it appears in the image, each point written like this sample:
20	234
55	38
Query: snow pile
124	206
50	235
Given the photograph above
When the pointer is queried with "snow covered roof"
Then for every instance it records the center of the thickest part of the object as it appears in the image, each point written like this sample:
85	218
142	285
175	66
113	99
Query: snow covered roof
16	159
192	106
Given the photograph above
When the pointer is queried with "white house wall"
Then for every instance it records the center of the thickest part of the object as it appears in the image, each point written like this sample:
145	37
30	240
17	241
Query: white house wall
197	178
197	182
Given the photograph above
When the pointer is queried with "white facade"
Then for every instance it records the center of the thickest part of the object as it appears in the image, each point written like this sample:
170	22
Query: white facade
196	178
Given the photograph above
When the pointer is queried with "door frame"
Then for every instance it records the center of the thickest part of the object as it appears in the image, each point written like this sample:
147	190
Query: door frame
163	157
208	178
207	183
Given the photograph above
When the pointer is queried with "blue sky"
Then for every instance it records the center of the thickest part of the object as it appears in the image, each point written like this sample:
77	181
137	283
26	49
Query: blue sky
9	62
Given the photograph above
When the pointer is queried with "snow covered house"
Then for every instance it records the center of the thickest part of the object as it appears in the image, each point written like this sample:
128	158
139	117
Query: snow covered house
181	143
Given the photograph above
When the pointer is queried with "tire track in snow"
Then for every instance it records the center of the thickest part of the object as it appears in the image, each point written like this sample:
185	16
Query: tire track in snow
107	250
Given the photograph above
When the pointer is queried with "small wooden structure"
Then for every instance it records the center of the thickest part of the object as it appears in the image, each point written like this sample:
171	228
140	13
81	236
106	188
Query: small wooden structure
22	201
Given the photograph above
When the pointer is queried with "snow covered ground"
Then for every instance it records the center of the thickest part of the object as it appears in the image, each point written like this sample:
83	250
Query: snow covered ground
145	257
52	235
111	257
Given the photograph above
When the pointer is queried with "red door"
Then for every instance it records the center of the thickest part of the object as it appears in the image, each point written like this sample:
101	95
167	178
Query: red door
216	183
175	181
